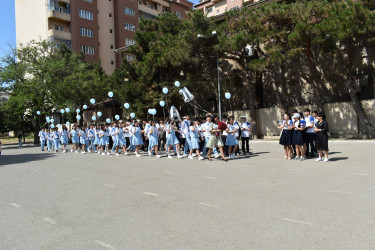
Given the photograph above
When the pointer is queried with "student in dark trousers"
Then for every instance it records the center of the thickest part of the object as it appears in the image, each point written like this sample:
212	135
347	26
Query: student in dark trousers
315	114
224	135
310	133
245	135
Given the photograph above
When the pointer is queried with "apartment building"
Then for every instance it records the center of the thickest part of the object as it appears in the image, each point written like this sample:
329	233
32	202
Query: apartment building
217	8
98	28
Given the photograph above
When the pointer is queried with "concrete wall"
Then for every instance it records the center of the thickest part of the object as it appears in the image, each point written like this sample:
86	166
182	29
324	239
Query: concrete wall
343	120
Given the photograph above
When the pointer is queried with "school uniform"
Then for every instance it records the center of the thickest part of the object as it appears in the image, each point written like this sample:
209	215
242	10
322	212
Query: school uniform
237	135
97	139
91	139
137	138
186	132
194	138
231	137
153	138
42	139
120	139
102	141
127	135
56	139
171	136
83	137
298	134
75	137
245	135
201	138
224	136
64	137
50	141
286	135
310	135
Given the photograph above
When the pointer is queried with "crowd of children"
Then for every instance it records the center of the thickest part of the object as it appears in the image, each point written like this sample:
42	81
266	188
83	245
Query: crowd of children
188	138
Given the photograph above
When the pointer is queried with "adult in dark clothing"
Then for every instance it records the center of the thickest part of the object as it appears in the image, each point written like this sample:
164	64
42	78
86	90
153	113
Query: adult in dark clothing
321	131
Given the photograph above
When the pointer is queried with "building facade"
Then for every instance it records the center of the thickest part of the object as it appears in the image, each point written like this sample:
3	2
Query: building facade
97	28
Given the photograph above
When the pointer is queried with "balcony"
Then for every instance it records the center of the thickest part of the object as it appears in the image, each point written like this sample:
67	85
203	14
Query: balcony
58	15
146	9
59	34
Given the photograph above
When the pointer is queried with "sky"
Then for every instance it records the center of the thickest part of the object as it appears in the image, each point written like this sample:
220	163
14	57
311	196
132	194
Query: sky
7	26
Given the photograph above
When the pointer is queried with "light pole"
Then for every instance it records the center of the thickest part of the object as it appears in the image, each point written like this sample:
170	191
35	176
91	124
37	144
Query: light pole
214	33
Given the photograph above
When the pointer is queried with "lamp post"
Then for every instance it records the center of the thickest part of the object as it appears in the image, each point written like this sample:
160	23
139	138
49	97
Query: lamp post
214	33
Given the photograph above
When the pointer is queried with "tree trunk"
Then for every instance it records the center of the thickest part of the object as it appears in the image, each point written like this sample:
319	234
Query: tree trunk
278	94
36	133
253	114
314	76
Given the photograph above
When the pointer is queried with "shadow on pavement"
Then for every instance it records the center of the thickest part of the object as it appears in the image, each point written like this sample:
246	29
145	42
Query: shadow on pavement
332	153
338	158
21	158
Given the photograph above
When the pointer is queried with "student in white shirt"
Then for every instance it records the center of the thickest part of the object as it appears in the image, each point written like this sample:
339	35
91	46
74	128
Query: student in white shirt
186	131
245	135
42	138
310	133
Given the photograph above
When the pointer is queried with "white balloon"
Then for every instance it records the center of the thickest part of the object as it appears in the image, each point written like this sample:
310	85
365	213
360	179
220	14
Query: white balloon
177	84
132	115
165	90
78	117
93	118
110	94
92	101
126	105
108	120
84	106
38	112
77	110
67	110
117	117
228	95
99	114
162	103
62	111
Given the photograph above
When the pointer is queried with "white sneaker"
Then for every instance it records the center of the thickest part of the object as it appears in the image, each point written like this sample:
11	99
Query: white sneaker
158	156
184	155
319	159
201	158
76	151
149	153
216	155
88	151
138	155
117	154
325	160
190	157
83	152
126	153
108	153
98	152
170	157
179	156
302	158
103	153
71	151
194	155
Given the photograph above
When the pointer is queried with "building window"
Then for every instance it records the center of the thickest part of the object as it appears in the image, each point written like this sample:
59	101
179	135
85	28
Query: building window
129	42
129	26
129	58
59	28
111	46
179	15
209	10
129	11
112	62
87	50
111	31
89	1
110	14
86	32
85	14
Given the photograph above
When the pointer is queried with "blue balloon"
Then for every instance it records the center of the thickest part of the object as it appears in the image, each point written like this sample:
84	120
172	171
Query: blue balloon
108	120
126	105
84	106
110	94
165	90
62	111
67	110
48	119
52	120
149	111
93	118
67	123
117	117
228	95
153	111
132	115
38	112
77	110
59	125
78	117
52	126
99	114
177	84
92	101
162	103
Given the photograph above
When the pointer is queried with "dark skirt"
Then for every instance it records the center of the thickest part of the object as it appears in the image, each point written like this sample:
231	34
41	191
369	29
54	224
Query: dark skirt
322	141
305	137
298	137
286	137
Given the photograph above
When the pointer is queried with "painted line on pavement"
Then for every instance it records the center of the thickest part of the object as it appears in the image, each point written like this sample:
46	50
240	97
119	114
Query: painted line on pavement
103	244
337	191
15	205
153	194
297	221
208	204
50	221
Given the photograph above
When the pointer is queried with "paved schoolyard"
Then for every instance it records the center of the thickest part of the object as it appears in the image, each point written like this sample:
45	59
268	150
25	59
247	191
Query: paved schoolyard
74	201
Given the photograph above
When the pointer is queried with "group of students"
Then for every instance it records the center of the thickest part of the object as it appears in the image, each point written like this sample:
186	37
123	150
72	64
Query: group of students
188	138
304	135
